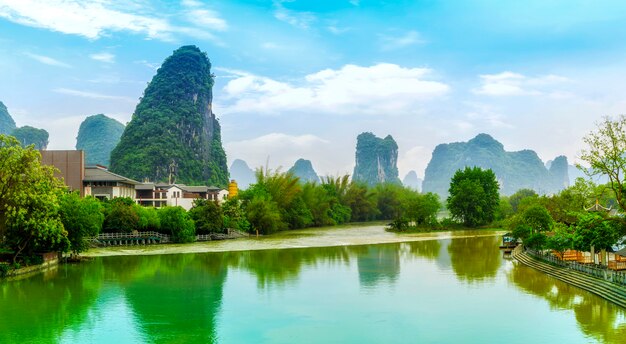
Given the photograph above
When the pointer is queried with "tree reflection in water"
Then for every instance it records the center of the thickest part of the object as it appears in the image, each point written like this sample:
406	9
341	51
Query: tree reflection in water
475	259
596	317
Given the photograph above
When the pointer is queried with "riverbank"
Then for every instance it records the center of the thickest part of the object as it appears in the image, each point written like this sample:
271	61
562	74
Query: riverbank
319	237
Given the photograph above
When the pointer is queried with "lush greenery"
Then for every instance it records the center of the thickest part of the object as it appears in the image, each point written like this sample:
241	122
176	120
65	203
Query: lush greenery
303	169
376	160
606	154
173	135
7	124
515	170
28	135
82	219
29	202
97	136
474	197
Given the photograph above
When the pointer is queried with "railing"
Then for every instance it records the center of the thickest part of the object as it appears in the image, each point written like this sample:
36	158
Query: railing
594	270
203	237
136	235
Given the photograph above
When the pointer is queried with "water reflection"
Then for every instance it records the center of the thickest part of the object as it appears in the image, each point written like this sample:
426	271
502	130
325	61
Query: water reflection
429	249
378	264
596	317
39	308
475	258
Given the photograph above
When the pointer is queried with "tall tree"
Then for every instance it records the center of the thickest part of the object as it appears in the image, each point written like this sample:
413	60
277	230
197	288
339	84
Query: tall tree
606	154
474	196
82	218
29	201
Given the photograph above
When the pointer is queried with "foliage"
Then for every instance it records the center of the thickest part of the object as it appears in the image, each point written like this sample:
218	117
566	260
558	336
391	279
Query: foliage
538	218
504	210
234	215
520	195
148	218
536	241
173	128
207	216
263	214
521	231
473	196
82	219
362	202
29	201
176	222
376	160
97	136
28	135
562	240
120	216
592	229
606	154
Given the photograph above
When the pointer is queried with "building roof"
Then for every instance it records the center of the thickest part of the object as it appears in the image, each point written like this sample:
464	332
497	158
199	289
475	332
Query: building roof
100	174
145	186
193	189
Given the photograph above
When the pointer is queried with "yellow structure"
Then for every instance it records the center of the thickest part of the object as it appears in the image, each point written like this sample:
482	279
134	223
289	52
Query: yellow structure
232	189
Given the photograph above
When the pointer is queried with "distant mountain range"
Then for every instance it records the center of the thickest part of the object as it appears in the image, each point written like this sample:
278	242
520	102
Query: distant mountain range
303	169
376	160
242	174
97	136
514	170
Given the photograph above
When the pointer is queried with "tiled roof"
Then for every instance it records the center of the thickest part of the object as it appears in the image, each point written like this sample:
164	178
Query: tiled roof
99	174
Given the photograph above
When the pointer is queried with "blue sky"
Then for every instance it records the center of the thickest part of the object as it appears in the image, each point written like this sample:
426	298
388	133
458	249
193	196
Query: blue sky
304	78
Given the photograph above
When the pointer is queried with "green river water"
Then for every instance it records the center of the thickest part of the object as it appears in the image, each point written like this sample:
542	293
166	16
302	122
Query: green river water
435	291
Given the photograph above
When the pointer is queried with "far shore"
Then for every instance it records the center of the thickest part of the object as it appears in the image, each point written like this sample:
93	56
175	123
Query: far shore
358	234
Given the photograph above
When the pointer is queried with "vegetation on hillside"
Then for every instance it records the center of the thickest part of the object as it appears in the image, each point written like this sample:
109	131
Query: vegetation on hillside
376	160
7	124
173	132
28	135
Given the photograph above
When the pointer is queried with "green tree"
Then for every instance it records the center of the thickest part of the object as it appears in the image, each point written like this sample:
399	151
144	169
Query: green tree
516	198
176	222
362	202
593	231
473	196
120	216
82	219
148	218
538	218
562	240
29	201
234	215
263	214
606	154
208	217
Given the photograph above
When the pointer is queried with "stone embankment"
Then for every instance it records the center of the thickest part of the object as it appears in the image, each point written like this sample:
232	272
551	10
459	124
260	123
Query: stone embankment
600	287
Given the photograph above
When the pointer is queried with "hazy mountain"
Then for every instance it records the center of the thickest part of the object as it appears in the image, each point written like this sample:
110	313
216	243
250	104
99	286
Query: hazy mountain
514	170
412	181
303	169
242	174
376	160
173	132
28	135
7	124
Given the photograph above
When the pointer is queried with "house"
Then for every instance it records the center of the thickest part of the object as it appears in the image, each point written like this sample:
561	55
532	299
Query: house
101	183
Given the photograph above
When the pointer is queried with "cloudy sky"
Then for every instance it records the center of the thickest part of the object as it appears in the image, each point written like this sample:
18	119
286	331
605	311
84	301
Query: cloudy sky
303	78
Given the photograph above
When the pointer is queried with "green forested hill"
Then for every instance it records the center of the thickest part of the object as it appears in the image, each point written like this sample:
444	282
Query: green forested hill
28	135
376	160
173	129
7	124
514	170
97	136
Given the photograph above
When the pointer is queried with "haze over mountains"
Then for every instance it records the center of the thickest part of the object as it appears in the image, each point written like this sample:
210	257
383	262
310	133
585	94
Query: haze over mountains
97	136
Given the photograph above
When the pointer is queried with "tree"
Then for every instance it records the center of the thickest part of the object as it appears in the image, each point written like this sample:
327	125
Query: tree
593	231
606	154
29	201
208	217
176	222
263	214
474	196
234	215
120	216
538	218
82	218
562	240
519	195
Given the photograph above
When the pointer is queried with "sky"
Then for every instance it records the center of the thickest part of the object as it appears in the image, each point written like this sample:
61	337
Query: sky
302	78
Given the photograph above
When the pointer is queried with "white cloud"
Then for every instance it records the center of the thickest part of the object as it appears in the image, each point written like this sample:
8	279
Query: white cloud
300	20
382	89
414	159
92	95
94	19
514	84
389	42
204	17
103	57
47	60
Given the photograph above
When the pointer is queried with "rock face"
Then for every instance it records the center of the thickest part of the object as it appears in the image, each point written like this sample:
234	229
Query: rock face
514	170
97	136
303	169
242	173
376	160
412	181
173	134
7	124
28	135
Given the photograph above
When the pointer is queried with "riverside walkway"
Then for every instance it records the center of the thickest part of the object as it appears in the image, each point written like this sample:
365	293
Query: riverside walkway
605	289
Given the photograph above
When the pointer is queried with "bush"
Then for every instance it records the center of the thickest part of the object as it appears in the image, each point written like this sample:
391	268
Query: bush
4	269
176	222
536	241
